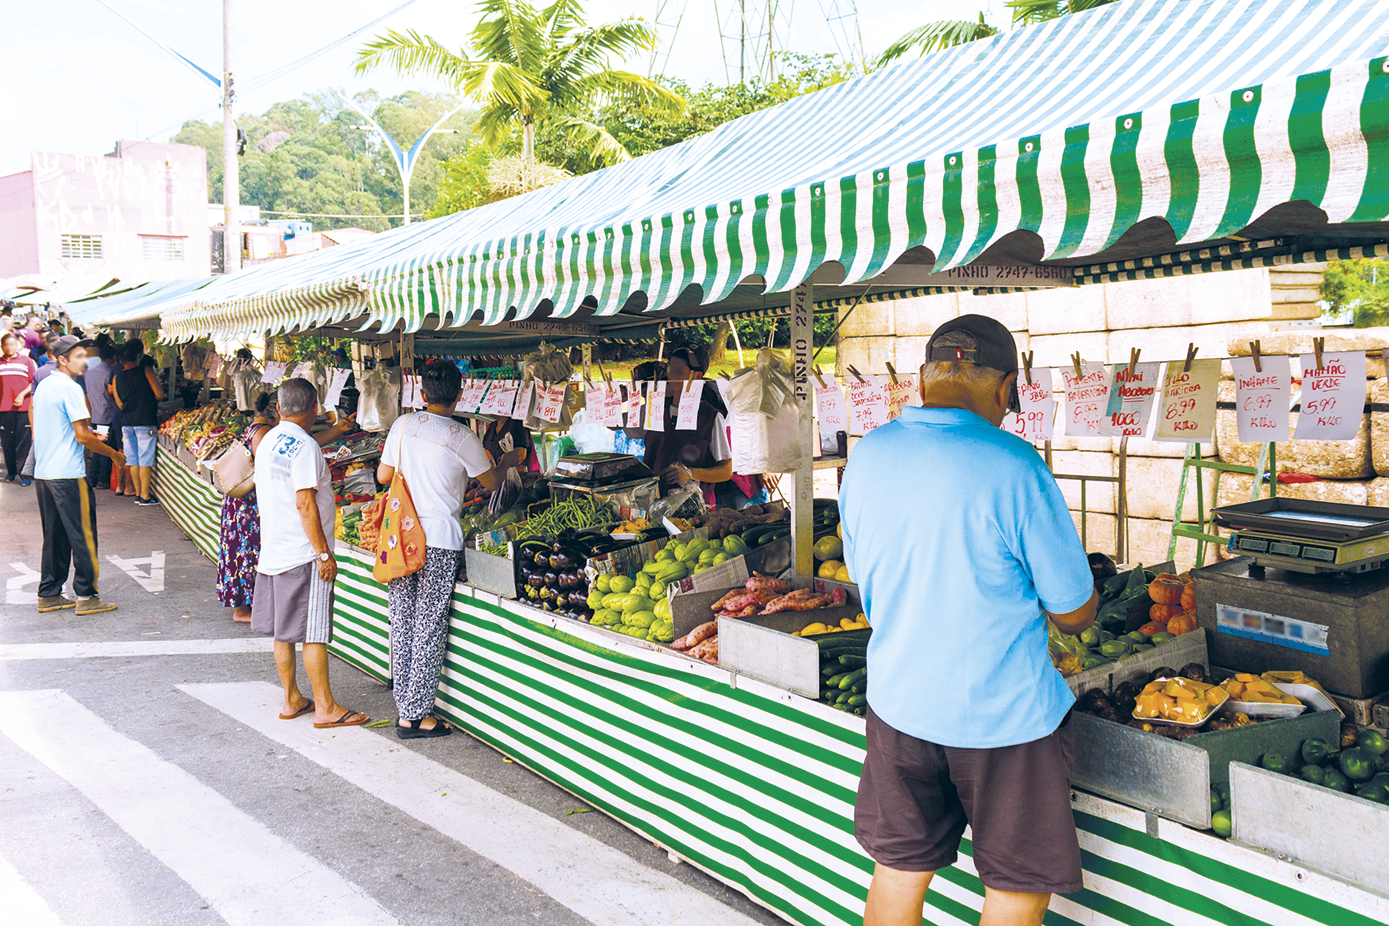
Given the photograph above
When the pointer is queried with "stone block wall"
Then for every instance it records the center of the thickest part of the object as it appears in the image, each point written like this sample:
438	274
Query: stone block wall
1103	322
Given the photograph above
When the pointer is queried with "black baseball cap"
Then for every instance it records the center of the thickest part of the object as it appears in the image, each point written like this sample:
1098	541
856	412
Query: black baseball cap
993	347
67	342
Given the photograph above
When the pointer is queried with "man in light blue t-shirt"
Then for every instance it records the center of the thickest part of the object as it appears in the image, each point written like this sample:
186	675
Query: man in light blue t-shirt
962	545
67	506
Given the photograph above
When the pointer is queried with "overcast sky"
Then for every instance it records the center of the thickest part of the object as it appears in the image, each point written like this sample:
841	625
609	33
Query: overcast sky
76	76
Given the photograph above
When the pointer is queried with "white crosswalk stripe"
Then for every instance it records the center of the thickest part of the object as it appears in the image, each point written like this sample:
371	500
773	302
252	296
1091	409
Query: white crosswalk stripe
22	903
112	649
557	859
247	874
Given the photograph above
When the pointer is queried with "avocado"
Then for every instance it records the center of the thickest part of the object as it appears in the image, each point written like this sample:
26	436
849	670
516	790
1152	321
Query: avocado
1136	636
1116	648
1091	637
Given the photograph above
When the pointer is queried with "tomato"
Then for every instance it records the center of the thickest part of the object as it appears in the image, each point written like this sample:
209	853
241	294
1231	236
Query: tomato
1314	752
1357	764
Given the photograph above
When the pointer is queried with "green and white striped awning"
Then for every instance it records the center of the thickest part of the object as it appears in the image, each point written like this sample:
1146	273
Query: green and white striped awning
1136	129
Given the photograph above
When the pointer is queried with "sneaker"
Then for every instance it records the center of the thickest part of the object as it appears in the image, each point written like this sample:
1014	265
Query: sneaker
25	481
55	603
11	478
94	605
147	502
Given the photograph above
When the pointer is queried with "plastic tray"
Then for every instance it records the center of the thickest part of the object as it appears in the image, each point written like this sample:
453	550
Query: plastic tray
1163	721
1308	695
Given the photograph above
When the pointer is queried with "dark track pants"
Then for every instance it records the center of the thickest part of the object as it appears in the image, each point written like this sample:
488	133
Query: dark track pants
67	511
14	439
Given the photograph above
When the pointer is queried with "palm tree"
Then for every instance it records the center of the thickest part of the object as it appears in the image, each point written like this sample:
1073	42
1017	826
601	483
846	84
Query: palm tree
947	33
526	64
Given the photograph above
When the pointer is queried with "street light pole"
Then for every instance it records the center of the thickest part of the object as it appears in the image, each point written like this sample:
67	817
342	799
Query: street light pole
405	161
231	177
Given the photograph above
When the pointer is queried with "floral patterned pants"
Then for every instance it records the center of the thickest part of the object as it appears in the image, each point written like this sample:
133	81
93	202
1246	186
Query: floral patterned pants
419	609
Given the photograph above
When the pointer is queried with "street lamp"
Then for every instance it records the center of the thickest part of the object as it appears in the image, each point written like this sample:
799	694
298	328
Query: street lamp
405	161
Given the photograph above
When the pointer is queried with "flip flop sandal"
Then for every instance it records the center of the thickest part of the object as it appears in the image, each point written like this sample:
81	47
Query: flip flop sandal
416	732
344	722
306	709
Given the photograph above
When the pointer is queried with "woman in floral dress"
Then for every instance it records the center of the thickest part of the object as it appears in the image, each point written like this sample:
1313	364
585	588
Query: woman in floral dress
240	552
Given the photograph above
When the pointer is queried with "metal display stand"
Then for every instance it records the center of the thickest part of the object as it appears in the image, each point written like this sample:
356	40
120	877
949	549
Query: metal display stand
1268	463
1120	500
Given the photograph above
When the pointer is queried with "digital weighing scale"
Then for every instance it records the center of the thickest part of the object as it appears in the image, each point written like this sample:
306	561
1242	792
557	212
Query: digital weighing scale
1308	536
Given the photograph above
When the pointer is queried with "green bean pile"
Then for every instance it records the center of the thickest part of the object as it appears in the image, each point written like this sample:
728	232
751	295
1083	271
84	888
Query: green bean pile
578	513
495	549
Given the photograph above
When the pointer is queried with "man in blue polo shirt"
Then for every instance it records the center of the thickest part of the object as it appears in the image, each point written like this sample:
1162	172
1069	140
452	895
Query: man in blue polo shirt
962	546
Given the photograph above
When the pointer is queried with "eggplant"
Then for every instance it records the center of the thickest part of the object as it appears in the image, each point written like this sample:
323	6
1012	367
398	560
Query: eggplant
551	580
535	580
542	559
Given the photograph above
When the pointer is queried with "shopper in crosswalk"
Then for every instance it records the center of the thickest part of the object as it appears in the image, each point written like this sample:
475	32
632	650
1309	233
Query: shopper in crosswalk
293	597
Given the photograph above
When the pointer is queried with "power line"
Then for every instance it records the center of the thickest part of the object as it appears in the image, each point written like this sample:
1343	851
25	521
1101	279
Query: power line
338	215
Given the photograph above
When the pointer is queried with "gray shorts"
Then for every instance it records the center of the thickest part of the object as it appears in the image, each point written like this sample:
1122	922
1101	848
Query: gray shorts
296	606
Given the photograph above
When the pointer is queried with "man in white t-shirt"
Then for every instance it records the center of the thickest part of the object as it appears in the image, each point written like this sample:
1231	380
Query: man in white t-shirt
294	579
436	456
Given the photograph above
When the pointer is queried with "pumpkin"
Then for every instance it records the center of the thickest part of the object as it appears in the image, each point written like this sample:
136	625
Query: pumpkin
1189	598
1162	613
1165	589
1185	622
1152	627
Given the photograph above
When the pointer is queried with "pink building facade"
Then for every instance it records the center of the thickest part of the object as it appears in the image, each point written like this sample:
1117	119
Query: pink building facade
137	213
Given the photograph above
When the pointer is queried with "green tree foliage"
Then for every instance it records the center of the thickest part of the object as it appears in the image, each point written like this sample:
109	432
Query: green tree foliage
948	33
531	67
307	155
1362	285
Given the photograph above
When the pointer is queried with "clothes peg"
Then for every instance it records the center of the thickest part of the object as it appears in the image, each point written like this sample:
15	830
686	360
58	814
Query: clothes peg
1027	368
1190	356
1133	359
1254	350
891	374
1318	344
815	371
855	373
1075	362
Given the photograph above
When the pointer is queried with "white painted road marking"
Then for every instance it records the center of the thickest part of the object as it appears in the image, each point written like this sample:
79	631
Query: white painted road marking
22	903
602	884
116	648
14	586
246	873
151	580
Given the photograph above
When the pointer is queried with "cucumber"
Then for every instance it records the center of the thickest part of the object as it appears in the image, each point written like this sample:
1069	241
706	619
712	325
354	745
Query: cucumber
858	700
853	660
848	680
833	668
834	681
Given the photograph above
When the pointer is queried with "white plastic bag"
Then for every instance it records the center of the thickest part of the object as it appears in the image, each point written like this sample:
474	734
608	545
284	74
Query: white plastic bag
379	403
764	419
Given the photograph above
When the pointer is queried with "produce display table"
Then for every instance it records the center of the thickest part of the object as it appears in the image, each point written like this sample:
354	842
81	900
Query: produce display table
756	785
189	498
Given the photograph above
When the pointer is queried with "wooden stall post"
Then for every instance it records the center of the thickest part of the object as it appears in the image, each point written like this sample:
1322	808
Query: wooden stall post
803	494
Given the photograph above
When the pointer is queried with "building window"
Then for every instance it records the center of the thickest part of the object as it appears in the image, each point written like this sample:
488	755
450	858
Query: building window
159	248
82	246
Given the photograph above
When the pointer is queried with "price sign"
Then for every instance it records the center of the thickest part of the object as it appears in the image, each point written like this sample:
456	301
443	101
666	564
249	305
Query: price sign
1261	398
833	414
337	379
656	409
868	408
688	417
636	400
1333	397
212	366
1187	411
500	399
473	391
408	391
1087	399
1038	415
902	394
1131	399
524	397
550	404
274	371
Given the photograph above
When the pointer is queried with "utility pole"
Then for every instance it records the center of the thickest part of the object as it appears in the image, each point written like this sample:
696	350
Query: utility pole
231	177
771	25
742	40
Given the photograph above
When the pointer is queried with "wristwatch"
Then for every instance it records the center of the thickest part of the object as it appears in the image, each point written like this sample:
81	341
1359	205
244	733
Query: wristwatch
324	557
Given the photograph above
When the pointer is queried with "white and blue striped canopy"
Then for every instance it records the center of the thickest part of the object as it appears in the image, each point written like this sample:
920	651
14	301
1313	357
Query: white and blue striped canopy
1207	115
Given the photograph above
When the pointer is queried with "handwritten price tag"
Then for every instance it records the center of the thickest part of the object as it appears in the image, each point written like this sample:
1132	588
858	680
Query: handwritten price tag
1038	415
636	402
501	398
1086	400
525	398
868	408
337	379
656	406
902	394
834	416
602	403
688	418
1131	397
1333	397
1187	412
274	371
550	404
1261	399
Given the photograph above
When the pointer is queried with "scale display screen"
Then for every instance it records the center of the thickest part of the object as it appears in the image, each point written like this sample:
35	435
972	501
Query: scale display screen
1307	516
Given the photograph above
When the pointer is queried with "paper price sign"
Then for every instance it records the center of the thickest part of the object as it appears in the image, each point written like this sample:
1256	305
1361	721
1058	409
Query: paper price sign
688	417
1087	399
500	399
600	406
902	394
473	391
1187	411
1261	398
337	379
656	409
834	416
524	397
1038	415
551	402
868	408
636	399
1333	397
274	371
408	391
1131	398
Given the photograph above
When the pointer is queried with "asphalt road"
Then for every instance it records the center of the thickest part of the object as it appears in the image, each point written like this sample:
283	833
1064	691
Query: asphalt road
145	779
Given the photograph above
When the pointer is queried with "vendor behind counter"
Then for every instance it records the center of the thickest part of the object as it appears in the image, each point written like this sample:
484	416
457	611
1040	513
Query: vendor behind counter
684	457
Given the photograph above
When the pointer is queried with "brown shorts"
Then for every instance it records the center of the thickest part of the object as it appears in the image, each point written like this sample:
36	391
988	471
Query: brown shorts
915	798
295	605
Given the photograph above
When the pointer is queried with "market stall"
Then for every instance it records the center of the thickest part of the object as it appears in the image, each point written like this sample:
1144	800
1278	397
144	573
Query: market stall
1099	175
